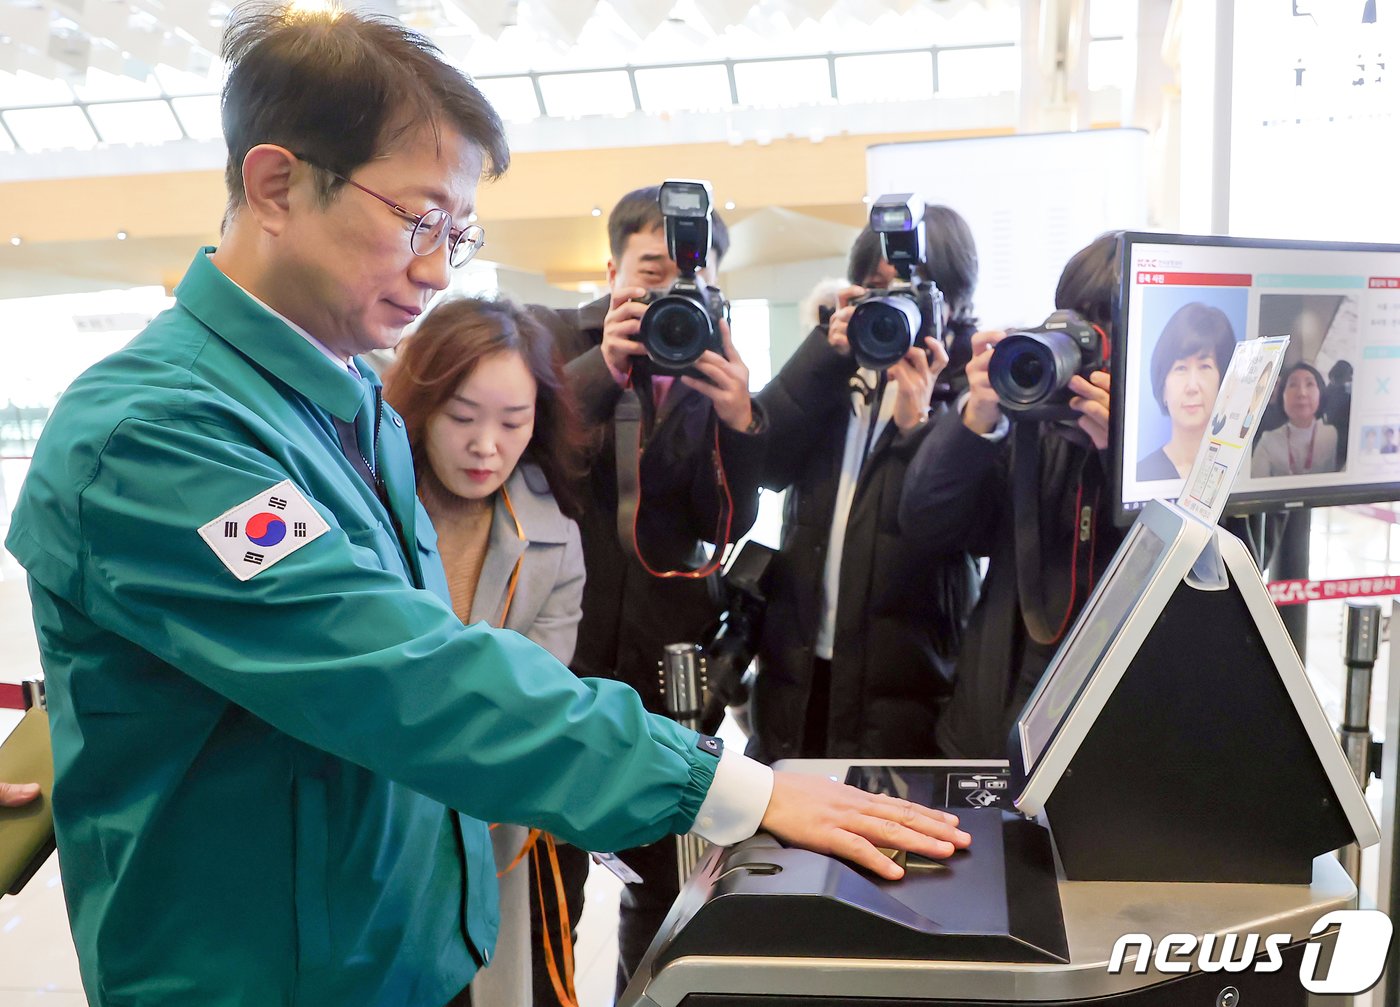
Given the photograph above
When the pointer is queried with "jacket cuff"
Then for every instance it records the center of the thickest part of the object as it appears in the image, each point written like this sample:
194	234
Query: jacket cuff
738	798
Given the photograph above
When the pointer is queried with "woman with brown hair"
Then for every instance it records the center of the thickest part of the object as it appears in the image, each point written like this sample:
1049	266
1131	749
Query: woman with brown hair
496	445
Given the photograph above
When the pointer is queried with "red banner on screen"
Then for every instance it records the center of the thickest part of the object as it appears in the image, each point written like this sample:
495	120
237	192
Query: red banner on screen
1156	278
1384	283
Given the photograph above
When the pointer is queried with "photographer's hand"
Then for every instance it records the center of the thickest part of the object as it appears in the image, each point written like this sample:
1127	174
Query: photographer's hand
1091	402
726	383
819	814
914	376
982	413
13	795
620	327
836	327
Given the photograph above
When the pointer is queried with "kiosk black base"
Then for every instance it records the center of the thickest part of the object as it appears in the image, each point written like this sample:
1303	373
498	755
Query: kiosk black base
998	901
1197	768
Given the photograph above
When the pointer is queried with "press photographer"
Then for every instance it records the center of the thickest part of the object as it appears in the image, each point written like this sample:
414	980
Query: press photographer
861	630
692	425
1030	496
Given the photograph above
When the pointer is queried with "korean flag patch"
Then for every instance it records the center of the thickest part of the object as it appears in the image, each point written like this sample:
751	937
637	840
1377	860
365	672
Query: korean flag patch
257	533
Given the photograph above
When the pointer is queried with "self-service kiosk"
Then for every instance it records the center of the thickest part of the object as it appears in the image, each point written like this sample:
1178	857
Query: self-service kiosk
1160	835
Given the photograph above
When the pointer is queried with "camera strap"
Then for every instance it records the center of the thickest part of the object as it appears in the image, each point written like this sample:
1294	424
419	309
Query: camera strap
633	421
1030	532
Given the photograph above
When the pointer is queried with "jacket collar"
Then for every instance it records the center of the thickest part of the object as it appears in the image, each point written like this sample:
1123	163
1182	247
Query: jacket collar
227	310
539	515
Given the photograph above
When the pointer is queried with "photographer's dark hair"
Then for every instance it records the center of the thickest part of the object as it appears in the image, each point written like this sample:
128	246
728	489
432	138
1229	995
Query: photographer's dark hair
1194	328
450	342
639	211
339	88
951	254
1090	279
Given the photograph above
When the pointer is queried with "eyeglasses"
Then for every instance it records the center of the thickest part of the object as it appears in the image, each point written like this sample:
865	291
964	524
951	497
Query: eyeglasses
431	228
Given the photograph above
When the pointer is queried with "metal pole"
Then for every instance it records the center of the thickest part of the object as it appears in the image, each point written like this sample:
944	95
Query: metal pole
684	686
1363	635
1388	885
1291	562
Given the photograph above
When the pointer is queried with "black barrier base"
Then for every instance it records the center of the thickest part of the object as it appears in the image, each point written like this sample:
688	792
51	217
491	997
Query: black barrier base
998	901
1198	767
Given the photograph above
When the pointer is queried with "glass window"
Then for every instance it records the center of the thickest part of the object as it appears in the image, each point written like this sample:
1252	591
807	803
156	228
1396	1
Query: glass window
896	76
200	116
783	83
1108	64
1109	17
104	86
574	94
972	73
513	97
25	88
143	122
51	128
685	88
182	82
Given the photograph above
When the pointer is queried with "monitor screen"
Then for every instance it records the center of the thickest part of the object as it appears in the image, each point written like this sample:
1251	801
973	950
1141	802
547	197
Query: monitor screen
1097	627
1330	431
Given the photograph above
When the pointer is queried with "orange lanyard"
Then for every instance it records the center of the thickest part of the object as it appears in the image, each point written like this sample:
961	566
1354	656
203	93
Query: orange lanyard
519	560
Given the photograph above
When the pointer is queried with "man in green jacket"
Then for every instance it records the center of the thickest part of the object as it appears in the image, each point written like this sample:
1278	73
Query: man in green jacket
275	744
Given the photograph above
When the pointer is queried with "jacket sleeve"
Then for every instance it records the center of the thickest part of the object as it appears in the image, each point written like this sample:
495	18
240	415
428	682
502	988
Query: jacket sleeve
742	455
797	404
954	488
555	628
331	649
593	386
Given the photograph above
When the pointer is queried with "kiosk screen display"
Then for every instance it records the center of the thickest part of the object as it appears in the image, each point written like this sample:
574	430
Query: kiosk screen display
1098	626
1329	433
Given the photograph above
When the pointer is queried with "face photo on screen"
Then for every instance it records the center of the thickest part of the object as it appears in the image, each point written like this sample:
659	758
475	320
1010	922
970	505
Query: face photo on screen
1305	443
1188	361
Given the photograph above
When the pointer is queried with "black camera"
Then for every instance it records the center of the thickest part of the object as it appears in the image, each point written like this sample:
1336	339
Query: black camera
887	324
681	323
731	641
1030	369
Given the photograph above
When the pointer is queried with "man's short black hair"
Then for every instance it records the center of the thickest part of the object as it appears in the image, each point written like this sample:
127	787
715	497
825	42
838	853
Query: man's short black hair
1090	279
639	211
339	89
951	259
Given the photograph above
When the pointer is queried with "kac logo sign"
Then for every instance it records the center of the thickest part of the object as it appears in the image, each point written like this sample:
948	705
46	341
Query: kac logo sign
1358	957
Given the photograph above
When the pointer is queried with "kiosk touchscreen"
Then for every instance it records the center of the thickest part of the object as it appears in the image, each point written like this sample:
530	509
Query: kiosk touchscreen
1329	433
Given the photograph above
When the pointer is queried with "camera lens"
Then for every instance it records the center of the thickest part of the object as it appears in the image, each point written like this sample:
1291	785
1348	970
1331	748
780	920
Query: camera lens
882	330
1027	369
675	332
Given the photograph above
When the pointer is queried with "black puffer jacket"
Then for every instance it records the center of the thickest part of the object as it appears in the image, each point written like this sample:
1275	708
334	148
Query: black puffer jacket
629	615
900	607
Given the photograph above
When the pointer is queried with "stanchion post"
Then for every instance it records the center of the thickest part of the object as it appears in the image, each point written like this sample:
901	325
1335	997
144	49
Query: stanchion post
684	685
1362	640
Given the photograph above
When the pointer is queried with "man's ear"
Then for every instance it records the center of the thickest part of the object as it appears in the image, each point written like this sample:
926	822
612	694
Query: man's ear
269	172
612	274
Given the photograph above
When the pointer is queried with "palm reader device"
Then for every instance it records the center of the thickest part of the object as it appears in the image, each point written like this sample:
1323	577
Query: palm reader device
1173	773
